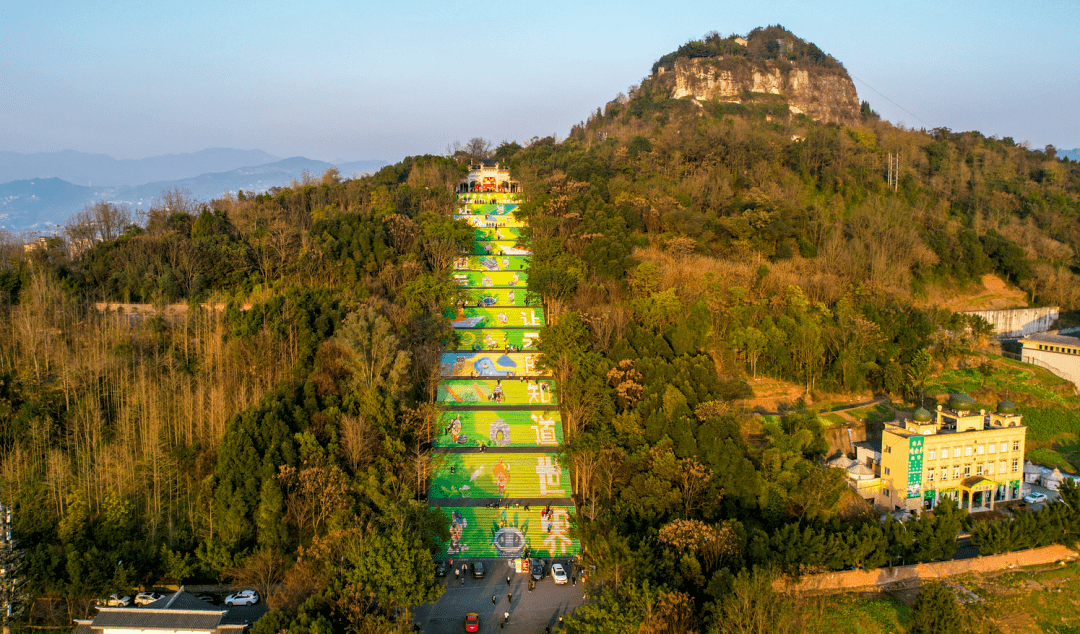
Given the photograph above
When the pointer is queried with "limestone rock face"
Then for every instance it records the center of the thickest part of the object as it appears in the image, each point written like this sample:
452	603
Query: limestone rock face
821	94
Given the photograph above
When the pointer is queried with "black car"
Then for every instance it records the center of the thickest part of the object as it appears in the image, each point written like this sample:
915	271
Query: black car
440	568
478	570
537	568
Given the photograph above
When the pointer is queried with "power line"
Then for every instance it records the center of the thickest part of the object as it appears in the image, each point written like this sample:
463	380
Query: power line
890	100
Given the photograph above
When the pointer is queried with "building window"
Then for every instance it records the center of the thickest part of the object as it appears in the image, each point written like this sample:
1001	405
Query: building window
888	449
1016	445
1002	465
967	450
992	447
981	449
956	472
929	475
978	469
885	492
990	468
967	470
944	473
1004	446
1015	465
887	472
931	455
944	453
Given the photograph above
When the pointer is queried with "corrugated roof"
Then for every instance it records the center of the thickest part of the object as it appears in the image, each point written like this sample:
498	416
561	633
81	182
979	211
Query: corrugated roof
1049	338
184	612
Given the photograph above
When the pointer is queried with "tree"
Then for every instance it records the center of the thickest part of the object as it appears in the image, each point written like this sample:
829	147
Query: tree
753	607
919	373
751	342
936	611
374	356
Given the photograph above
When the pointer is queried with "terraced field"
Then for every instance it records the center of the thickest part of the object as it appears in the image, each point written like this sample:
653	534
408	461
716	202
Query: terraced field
496	471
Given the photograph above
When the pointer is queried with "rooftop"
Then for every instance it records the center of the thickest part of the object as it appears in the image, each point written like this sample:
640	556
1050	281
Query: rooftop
1045	337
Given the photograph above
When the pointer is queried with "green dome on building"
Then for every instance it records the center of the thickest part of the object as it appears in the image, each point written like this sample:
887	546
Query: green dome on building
1006	407
961	403
921	415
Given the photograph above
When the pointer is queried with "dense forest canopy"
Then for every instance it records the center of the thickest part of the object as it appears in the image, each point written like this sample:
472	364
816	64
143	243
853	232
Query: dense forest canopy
274	428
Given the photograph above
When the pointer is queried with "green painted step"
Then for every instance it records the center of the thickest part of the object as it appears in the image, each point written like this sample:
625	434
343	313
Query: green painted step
491	263
466	392
471	428
500	233
495	317
495	364
499	297
489	474
499	247
484	532
494	339
478	279
489	198
485	209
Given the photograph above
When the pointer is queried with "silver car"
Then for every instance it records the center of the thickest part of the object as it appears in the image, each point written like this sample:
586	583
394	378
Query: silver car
244	597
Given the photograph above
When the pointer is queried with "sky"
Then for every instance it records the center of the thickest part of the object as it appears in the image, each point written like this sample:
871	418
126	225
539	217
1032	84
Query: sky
383	80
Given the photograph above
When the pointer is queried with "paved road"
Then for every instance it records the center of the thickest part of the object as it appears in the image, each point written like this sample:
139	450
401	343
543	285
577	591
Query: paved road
530	612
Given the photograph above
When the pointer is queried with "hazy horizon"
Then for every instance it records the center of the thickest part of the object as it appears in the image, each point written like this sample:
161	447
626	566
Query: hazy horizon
343	82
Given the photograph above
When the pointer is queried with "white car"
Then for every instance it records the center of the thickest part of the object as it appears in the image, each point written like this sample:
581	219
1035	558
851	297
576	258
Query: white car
146	598
558	573
244	597
116	601
1035	497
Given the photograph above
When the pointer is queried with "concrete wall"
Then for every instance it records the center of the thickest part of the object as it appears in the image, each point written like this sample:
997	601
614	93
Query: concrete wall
849	580
1067	366
1018	322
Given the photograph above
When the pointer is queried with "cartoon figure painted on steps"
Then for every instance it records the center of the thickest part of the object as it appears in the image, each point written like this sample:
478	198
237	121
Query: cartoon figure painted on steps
502	476
455	428
457	527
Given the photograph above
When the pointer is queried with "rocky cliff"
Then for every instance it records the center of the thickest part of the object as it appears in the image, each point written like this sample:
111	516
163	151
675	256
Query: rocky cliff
823	94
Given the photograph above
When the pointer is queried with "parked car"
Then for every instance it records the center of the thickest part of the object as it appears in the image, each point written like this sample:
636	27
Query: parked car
115	601
478	570
558	573
537	568
146	598
244	597
1035	497
472	622
440	568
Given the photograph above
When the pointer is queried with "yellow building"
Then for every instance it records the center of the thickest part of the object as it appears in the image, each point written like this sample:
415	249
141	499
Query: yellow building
975	458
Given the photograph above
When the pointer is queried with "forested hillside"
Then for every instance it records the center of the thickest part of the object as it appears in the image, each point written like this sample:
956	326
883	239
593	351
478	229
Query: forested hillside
278	434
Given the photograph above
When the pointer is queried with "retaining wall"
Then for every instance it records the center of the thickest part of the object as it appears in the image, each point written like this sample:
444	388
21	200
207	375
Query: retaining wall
1019	322
852	579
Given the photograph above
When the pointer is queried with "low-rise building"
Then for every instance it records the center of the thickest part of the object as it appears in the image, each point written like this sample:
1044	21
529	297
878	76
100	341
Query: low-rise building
973	457
177	613
1056	352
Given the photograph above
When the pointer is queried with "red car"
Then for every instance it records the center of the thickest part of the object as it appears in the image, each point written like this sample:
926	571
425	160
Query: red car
472	622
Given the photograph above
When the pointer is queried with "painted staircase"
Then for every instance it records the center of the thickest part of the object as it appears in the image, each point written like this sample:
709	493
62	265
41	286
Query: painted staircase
496	470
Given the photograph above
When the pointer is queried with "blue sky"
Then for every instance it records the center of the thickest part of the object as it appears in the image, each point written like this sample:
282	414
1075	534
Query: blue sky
363	80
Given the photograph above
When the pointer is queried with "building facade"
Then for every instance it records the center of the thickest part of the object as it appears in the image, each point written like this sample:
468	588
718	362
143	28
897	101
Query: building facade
488	176
974	457
1058	353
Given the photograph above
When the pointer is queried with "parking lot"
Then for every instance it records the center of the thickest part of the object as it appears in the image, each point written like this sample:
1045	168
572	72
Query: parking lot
529	611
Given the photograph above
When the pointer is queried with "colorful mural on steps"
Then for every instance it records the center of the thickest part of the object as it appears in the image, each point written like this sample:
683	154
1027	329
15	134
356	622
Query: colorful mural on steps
511	391
485	474
485	279
509	532
497	443
495	339
495	317
495	364
491	263
499	247
511	428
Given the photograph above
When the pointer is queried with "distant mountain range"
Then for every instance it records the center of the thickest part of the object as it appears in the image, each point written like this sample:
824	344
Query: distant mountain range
42	196
1073	154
